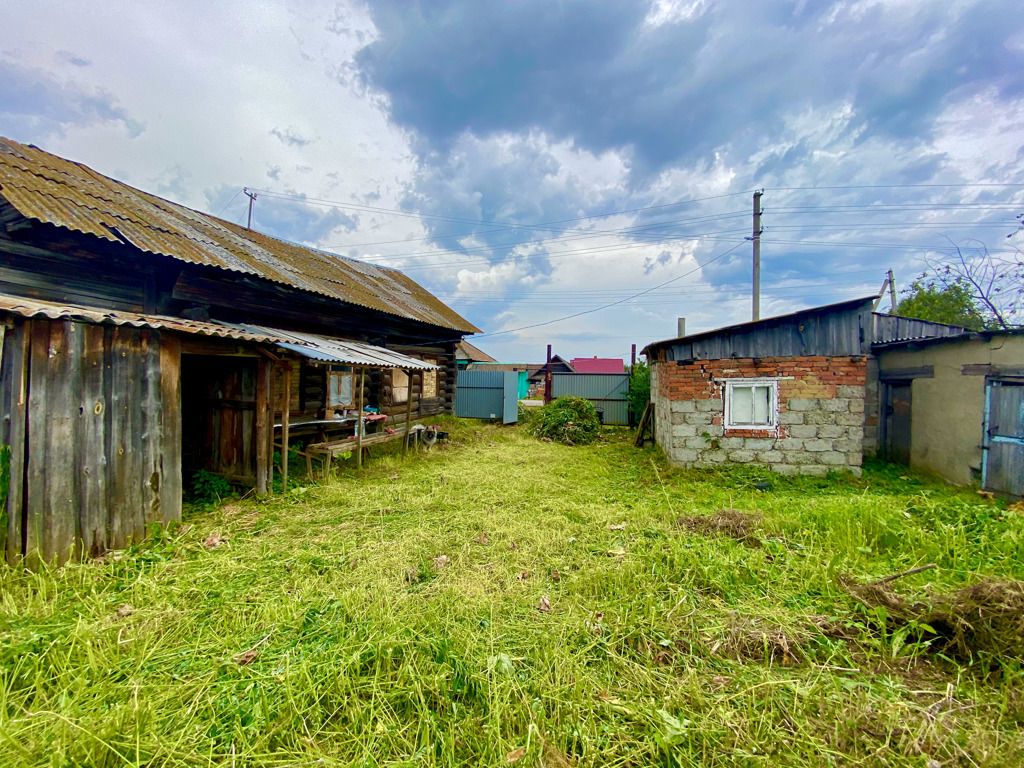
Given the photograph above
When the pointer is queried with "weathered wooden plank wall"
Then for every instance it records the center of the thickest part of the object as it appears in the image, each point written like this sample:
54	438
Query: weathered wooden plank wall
92	416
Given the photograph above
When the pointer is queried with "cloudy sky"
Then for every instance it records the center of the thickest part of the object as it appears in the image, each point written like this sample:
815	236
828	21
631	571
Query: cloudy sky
534	160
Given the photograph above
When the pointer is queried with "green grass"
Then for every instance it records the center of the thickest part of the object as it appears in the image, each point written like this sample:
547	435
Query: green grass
661	646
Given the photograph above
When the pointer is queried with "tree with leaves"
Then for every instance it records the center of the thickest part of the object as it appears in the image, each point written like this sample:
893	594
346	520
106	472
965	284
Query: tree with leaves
952	305
972	281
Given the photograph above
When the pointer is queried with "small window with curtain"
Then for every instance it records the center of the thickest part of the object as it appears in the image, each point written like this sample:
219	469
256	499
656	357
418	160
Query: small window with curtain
340	388
399	386
751	404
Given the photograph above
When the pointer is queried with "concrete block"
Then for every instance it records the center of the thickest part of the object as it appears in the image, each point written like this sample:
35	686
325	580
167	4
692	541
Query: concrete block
850	391
715	457
836	405
821	417
700	418
817	470
817	446
856	406
696	443
684	430
847	444
800	457
786	469
850	419
771	457
731	443
790	444
759	443
833	458
683	406
855	459
791	417
683	456
742	456
713	405
804	430
802	404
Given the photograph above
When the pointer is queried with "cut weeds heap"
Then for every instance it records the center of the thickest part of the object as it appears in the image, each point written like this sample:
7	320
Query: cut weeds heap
502	600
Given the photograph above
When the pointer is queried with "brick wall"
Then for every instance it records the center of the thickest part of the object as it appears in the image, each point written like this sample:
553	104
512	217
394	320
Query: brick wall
820	422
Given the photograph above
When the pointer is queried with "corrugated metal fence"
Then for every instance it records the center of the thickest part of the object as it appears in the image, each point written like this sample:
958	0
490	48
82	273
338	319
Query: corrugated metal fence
607	391
488	395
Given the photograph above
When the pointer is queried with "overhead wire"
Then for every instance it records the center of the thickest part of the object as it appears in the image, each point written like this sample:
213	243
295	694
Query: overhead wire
615	303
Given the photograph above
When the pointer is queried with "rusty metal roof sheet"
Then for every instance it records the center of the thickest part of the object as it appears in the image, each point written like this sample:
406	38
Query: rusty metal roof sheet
309	345
332	350
50	189
32	308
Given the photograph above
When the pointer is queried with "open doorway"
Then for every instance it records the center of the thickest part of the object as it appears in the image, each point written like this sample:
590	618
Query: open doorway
218	414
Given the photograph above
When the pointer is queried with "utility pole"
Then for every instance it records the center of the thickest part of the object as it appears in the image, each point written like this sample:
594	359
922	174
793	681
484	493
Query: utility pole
892	292
756	305
547	379
252	196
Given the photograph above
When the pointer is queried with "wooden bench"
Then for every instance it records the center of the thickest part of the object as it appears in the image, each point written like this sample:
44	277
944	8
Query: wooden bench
328	450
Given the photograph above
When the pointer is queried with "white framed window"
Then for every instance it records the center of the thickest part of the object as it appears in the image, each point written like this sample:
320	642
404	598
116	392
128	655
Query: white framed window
751	403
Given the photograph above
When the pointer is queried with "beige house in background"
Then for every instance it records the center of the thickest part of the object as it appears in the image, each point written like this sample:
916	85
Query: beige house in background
955	406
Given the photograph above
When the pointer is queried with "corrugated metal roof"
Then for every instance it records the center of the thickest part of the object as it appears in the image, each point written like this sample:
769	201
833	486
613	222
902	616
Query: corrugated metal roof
766	322
32	308
308	345
331	350
893	328
597	365
50	189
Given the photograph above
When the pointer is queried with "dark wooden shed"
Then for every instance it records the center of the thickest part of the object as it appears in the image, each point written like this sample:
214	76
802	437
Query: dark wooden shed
143	341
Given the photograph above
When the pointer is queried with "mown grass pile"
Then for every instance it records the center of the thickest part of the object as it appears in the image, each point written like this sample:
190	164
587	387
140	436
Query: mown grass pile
503	600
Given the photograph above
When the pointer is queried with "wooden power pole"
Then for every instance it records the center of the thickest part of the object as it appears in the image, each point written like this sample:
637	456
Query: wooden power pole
756	304
892	292
252	196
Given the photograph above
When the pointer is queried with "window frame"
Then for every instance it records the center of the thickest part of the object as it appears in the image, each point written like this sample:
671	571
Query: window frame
341	371
773	403
404	388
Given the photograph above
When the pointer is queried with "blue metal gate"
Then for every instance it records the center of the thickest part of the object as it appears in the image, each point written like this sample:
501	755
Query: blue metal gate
607	391
488	395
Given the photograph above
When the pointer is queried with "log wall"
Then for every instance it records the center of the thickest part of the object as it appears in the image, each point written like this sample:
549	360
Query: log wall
92	416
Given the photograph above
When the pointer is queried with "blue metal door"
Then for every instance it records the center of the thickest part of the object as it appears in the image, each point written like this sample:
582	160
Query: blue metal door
1004	438
510	411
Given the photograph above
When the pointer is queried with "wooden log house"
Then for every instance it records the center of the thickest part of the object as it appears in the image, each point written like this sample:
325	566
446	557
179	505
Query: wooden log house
142	341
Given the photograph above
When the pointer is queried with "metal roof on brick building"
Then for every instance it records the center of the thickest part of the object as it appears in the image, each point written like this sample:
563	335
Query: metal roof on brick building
56	191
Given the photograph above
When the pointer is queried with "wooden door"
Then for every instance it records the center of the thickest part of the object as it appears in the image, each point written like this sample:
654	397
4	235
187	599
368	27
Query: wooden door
219	416
897	422
1004	438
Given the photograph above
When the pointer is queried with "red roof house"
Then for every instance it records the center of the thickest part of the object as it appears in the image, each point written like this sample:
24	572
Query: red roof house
597	365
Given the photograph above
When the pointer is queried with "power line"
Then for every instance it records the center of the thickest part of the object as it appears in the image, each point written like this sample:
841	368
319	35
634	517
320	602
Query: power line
595	234
615	303
455	219
896	186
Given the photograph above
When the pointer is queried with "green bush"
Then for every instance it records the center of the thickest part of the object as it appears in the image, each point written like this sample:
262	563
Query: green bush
569	420
526	415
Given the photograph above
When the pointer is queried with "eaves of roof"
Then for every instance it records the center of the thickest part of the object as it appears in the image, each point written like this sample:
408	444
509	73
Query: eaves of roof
50	189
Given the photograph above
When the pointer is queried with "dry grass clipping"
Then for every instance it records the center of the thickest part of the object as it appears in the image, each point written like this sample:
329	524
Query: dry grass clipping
986	617
733	523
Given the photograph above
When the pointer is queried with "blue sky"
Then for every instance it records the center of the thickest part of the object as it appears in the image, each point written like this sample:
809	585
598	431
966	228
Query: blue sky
533	160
